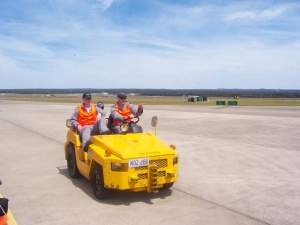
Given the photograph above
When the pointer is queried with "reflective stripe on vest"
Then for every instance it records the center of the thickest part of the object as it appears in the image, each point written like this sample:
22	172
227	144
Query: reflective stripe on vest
125	113
86	118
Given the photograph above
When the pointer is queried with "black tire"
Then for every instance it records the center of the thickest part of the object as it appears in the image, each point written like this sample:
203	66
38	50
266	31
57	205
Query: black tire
99	190
168	185
71	161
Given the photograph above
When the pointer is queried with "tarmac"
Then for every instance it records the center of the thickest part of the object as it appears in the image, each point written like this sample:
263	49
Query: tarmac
238	166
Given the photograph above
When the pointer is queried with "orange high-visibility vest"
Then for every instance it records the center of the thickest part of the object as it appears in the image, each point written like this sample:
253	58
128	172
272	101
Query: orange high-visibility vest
125	113
86	118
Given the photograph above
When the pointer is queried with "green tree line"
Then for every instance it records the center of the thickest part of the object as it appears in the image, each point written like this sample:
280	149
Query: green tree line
245	93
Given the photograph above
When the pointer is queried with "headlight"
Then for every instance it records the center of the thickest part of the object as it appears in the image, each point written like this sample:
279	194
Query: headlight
124	127
116	166
175	161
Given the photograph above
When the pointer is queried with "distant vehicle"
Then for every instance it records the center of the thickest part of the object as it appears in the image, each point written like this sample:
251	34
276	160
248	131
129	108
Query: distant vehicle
133	160
104	94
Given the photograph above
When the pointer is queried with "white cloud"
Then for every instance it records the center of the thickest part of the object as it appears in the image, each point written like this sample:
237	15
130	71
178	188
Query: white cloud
103	5
24	47
171	46
269	13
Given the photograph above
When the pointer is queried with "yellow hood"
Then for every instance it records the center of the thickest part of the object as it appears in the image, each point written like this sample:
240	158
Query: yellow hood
127	146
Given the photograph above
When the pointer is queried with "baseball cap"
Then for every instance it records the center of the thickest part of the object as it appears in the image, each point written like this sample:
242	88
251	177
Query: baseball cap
122	96
87	96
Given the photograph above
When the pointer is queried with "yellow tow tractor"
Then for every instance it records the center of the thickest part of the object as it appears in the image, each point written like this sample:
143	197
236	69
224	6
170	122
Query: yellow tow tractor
6	216
128	161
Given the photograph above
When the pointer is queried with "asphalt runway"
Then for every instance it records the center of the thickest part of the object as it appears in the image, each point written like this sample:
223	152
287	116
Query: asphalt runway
238	165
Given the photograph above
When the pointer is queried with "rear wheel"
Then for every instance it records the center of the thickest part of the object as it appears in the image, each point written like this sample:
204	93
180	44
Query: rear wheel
71	161
168	185
99	190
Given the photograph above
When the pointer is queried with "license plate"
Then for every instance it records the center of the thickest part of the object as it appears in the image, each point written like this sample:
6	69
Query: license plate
138	162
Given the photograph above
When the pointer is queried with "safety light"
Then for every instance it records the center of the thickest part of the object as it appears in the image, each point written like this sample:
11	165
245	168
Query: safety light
107	153
173	147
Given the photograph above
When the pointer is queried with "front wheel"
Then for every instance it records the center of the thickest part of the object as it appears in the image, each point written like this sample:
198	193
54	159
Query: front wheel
71	161
99	190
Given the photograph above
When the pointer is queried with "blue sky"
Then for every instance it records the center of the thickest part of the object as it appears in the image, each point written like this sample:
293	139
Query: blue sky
168	44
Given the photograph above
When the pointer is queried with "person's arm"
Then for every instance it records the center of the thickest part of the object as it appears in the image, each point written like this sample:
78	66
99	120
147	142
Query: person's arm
137	111
115	115
74	118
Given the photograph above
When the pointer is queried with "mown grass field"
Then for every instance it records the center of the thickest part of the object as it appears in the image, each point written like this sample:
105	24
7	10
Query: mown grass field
152	100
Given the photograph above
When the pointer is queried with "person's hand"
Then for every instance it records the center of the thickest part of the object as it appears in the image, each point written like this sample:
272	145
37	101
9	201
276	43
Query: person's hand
131	116
79	127
141	107
99	116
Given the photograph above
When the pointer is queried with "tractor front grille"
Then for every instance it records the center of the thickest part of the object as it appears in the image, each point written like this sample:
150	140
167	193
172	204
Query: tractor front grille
143	176
161	173
160	163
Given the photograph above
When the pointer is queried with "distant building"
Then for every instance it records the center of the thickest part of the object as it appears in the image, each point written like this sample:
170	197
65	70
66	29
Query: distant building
196	98
192	98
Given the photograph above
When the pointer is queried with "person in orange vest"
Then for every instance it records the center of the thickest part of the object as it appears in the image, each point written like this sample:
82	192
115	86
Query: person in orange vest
124	111
89	119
